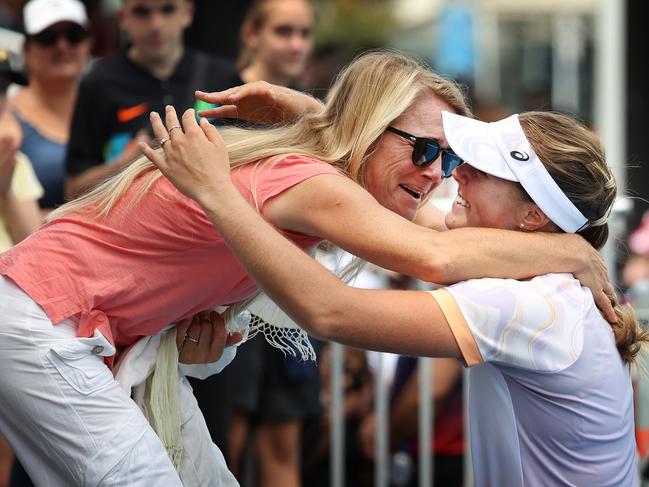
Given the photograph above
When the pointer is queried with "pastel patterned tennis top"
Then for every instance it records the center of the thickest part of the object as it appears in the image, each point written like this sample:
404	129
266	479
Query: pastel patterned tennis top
551	402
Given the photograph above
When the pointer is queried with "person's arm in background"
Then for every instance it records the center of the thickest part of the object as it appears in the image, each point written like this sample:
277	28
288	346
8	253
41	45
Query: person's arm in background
22	217
20	204
19	187
404	420
404	409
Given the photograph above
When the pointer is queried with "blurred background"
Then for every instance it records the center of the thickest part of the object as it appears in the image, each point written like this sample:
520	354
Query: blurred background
581	57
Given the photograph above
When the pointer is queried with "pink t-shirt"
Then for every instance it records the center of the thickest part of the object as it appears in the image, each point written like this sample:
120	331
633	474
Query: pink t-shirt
146	264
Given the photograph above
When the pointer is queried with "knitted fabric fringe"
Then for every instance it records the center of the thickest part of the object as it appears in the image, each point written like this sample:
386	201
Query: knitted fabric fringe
292	341
278	329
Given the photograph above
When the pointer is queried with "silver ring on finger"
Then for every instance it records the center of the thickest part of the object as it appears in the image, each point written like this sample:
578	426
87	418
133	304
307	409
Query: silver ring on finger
189	338
171	129
164	141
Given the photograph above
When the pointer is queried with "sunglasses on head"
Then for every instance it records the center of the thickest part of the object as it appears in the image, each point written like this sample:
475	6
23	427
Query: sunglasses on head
425	151
74	34
143	11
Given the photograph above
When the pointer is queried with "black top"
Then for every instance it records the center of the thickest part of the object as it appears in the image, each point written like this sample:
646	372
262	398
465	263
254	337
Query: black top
117	95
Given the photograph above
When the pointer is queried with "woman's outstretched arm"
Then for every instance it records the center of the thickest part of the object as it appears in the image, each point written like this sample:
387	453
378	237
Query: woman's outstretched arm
339	210
396	321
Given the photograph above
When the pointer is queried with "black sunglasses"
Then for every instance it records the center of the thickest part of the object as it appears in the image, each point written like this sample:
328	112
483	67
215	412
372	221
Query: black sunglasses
143	12
74	34
425	151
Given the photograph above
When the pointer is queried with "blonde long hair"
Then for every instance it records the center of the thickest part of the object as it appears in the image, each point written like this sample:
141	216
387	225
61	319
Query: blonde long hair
368	95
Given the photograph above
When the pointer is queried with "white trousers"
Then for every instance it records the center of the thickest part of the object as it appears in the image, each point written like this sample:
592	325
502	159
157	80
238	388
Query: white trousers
67	419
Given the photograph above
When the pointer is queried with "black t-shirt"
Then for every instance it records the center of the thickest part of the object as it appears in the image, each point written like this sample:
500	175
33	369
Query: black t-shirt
116	97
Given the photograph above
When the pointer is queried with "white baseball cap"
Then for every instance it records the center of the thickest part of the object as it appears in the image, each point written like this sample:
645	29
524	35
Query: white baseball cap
38	15
502	150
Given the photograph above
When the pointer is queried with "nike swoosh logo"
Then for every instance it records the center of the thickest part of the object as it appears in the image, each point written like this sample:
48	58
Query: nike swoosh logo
130	113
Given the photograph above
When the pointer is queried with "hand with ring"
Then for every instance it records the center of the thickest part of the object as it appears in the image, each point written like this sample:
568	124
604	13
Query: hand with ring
164	140
193	158
202	338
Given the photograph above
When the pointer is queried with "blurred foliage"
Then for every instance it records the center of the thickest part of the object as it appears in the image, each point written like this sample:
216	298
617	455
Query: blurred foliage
350	26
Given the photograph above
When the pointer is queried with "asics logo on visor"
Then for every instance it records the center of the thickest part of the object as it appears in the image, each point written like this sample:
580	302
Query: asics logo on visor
519	156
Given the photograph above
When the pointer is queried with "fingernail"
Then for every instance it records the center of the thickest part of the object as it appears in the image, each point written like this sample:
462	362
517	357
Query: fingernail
168	107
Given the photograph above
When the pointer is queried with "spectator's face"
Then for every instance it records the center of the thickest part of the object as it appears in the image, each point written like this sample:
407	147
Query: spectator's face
59	53
155	27
285	40
390	174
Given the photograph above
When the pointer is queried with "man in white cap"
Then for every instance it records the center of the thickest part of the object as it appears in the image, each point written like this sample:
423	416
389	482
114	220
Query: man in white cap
116	97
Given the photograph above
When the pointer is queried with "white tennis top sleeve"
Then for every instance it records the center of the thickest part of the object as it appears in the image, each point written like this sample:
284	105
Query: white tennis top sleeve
536	324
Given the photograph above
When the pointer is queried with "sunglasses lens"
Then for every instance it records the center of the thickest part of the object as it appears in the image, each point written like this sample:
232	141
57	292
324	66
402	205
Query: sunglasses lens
74	35
450	161
47	38
424	153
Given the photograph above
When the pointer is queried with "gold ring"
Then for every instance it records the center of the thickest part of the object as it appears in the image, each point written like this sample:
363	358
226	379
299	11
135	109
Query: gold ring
174	127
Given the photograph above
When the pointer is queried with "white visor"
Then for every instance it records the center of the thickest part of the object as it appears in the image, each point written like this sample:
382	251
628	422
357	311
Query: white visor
502	150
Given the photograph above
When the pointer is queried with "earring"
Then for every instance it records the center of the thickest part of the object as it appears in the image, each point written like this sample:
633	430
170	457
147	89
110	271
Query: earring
522	225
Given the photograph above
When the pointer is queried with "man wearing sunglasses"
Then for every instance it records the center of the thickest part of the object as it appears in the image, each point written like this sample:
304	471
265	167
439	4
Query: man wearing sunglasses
115	99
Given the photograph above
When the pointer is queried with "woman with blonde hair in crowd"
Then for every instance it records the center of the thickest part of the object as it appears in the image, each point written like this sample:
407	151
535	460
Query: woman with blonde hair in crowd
133	255
551	394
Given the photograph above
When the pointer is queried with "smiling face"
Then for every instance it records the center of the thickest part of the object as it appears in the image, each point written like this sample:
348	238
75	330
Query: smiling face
484	200
389	173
